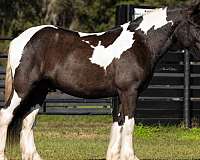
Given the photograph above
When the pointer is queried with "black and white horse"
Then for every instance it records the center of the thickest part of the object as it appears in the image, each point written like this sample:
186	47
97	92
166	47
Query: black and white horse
117	62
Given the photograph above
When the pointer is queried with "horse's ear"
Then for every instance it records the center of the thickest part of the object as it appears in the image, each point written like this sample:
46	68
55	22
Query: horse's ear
193	11
194	7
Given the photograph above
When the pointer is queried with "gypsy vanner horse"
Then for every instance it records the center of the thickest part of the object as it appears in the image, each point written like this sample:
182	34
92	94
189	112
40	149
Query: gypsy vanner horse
117	62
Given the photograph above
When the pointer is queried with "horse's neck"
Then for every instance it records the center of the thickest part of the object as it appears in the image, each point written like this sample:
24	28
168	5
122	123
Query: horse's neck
159	42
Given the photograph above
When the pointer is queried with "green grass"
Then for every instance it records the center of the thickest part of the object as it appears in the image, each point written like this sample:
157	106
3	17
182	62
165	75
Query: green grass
86	137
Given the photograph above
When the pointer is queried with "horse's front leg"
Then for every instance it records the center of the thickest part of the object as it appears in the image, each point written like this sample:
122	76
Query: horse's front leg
113	152
121	138
128	100
27	144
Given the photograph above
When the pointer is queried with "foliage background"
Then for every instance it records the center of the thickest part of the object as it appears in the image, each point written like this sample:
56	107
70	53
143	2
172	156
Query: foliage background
82	15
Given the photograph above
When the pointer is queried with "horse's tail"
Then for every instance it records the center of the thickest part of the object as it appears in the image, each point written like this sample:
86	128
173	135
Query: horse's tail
8	79
15	125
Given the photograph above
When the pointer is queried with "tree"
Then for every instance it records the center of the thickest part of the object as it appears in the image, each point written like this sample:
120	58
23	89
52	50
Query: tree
82	15
18	15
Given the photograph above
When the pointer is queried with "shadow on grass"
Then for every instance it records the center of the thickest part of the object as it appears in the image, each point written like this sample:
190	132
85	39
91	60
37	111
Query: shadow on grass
147	159
95	159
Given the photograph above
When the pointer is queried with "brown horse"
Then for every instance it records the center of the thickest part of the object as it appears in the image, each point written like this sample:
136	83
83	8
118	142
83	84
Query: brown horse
117	62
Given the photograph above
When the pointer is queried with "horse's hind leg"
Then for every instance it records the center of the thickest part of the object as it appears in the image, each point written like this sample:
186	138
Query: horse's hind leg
27	144
35	96
6	115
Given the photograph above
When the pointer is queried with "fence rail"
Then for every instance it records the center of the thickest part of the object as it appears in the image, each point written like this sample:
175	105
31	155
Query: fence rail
3	38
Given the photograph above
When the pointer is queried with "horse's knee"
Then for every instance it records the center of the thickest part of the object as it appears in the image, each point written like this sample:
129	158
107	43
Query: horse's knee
29	120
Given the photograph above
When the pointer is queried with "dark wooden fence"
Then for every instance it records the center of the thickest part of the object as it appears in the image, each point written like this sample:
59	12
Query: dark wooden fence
172	96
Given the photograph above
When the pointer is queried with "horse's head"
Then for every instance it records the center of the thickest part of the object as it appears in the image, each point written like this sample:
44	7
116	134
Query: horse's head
187	32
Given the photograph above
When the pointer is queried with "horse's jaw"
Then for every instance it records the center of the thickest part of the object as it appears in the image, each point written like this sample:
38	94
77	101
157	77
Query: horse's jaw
195	51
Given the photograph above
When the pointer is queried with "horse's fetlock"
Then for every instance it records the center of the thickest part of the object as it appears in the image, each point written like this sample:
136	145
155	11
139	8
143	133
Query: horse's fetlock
2	156
136	158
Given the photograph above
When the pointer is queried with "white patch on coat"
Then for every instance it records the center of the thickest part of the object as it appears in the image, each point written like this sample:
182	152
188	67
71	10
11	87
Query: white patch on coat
103	56
156	19
127	151
113	152
86	41
81	34
138	12
27	138
17	45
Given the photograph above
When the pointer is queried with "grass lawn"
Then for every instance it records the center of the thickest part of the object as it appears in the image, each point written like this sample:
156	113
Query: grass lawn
86	137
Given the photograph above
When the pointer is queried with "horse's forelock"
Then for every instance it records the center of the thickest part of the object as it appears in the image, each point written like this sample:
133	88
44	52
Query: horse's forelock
195	3
196	49
194	39
195	17
194	7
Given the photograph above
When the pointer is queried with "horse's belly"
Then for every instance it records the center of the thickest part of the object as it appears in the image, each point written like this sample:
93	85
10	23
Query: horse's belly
89	91
86	84
90	94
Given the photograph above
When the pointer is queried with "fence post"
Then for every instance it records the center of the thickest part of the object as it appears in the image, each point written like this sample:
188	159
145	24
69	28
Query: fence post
44	106
124	13
115	102
187	118
115	106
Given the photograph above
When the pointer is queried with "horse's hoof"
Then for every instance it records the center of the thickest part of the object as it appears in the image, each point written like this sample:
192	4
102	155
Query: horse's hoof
113	155
33	156
37	157
136	158
3	158
128	156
